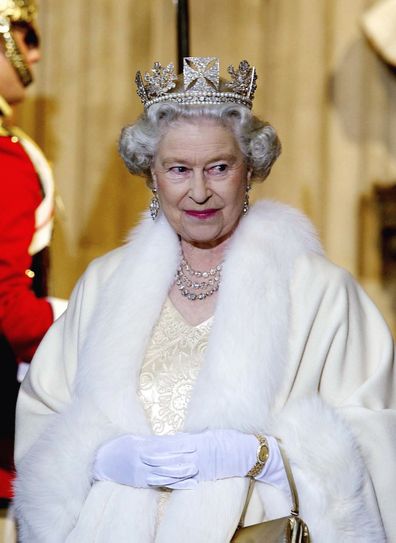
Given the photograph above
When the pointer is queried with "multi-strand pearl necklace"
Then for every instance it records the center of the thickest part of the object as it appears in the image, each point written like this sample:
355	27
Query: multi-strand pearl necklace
197	285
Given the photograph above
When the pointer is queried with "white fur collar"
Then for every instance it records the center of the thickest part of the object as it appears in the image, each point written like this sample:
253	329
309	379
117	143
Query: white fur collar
252	303
250	325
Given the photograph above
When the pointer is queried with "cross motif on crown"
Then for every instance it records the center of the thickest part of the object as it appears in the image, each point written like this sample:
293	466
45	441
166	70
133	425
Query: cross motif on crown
201	74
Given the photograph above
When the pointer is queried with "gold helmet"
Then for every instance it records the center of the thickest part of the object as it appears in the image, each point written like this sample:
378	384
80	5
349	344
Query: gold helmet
21	12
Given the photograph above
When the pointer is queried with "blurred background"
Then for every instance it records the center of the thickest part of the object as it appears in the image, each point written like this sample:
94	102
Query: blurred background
331	98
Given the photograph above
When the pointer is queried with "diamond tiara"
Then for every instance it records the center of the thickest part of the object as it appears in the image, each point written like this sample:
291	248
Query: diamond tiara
199	84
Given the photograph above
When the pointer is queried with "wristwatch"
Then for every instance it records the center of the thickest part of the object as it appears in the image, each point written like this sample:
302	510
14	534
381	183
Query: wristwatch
262	456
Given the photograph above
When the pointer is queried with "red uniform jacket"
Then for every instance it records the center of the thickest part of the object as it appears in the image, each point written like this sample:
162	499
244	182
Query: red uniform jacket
24	317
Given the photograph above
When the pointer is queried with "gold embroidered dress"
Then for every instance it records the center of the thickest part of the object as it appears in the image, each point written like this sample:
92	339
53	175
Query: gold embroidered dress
171	365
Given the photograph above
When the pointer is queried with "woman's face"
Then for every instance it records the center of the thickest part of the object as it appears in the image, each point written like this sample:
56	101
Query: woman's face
201	176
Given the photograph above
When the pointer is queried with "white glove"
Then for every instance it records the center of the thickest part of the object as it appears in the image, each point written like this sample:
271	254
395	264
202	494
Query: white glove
209	455
122	460
182	460
218	454
274	472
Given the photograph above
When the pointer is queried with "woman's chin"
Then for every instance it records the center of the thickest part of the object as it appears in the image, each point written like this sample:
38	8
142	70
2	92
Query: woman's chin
205	238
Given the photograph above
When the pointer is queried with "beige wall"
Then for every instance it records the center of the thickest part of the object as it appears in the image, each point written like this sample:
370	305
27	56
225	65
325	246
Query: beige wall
332	101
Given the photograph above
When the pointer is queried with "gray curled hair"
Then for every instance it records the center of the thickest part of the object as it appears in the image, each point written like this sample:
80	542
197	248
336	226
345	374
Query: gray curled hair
257	140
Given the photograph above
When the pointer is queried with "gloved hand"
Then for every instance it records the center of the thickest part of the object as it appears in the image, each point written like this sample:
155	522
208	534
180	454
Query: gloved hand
218	454
182	460
122	460
210	455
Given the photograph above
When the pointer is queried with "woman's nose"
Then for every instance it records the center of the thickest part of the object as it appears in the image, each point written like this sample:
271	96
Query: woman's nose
199	191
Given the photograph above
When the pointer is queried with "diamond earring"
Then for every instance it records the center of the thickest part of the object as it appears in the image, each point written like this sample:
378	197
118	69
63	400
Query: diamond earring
154	205
245	208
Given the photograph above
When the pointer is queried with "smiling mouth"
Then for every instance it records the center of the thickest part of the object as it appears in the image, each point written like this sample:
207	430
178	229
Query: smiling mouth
203	214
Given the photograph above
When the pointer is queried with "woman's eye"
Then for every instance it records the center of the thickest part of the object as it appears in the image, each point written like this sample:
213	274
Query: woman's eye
178	169
219	168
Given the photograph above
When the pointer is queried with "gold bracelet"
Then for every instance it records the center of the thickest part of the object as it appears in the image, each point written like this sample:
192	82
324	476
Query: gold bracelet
262	456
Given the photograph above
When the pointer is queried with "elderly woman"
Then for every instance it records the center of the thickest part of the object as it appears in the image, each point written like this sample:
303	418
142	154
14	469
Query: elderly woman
187	356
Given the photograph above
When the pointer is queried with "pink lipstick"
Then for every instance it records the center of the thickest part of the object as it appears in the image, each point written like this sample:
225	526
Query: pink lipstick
203	214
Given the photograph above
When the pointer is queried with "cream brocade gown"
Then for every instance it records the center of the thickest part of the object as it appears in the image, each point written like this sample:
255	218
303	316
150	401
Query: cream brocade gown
171	365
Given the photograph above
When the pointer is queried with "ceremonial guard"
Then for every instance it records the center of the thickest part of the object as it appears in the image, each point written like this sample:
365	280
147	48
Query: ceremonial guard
26	217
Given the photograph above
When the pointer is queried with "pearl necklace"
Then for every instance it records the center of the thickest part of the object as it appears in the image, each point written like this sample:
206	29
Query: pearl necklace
202	283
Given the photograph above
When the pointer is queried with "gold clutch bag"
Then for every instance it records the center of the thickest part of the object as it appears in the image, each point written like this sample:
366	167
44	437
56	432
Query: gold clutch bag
291	529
